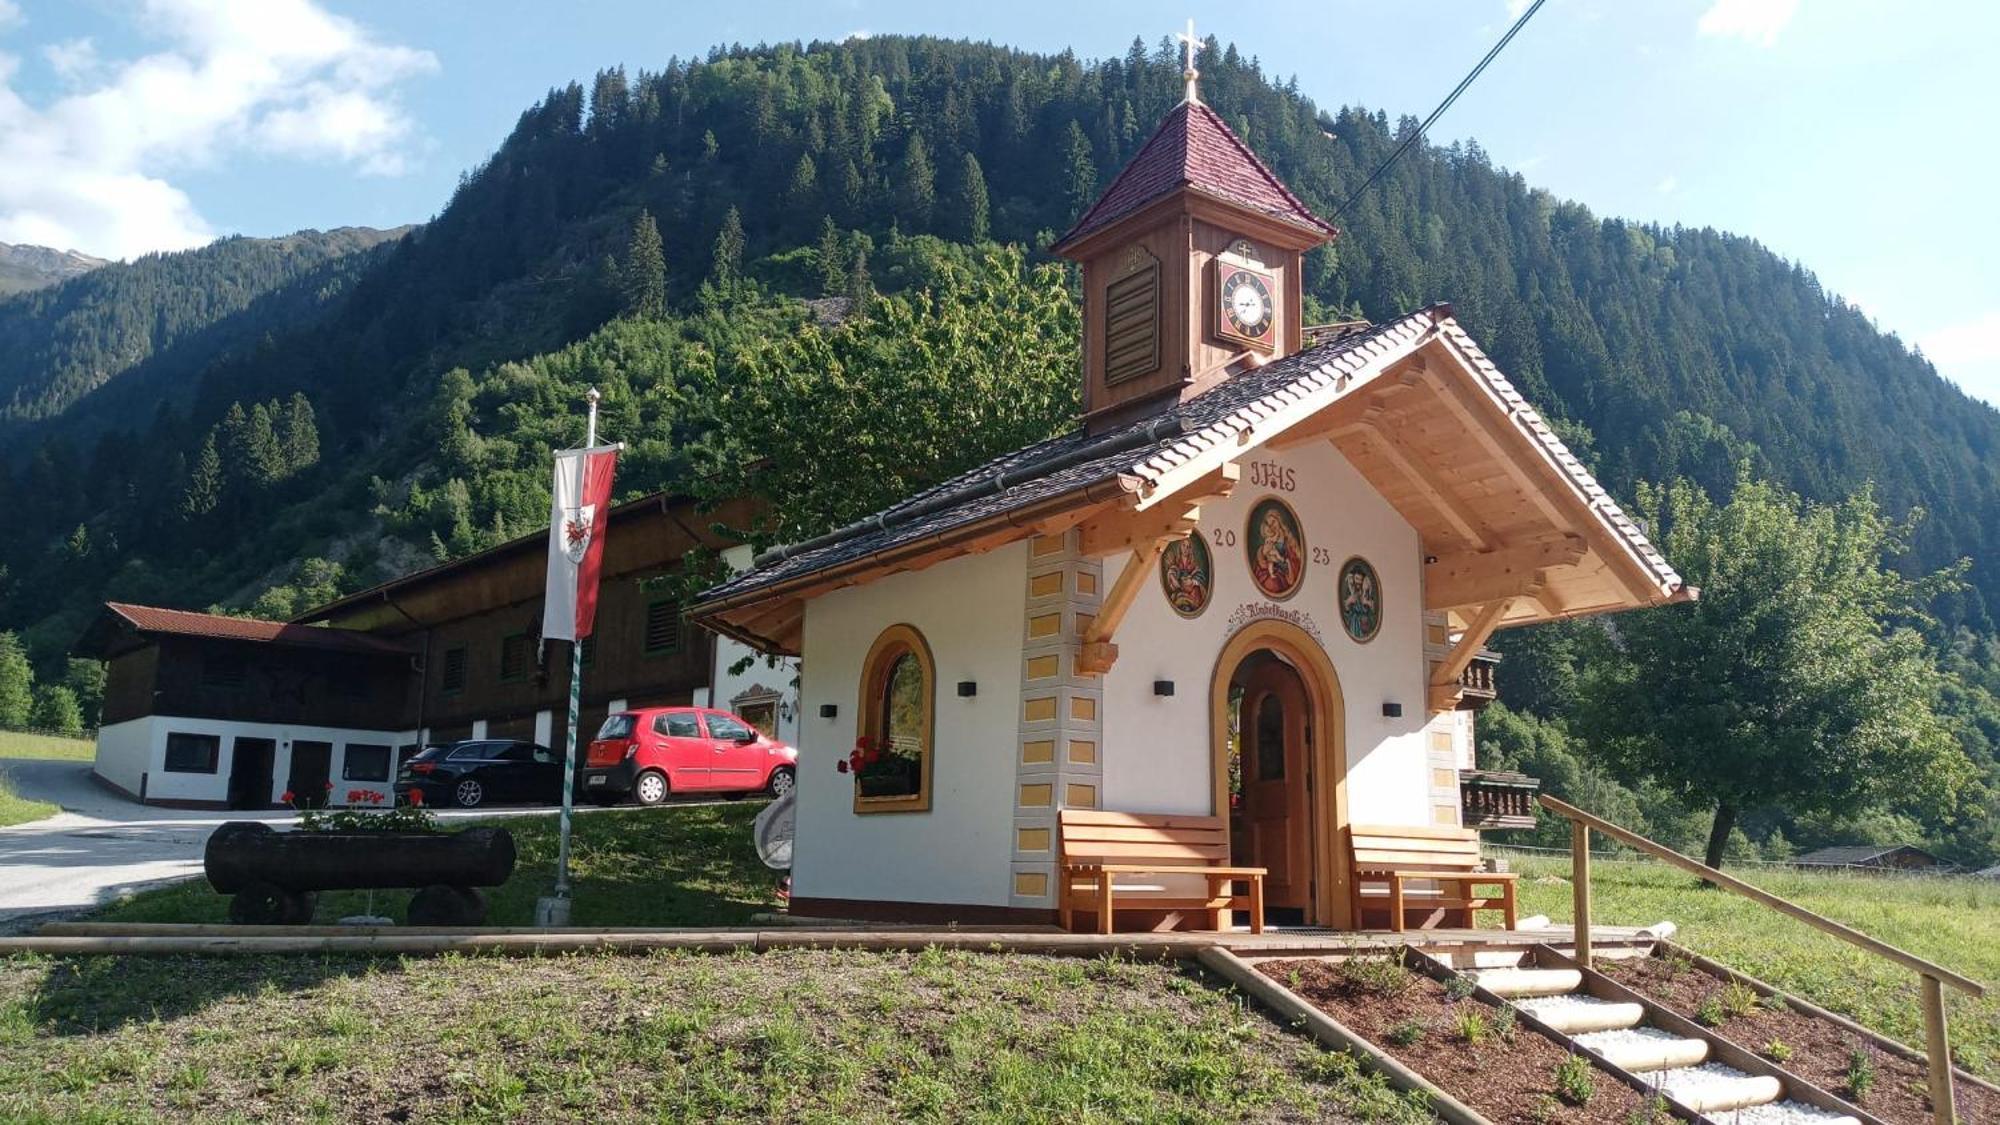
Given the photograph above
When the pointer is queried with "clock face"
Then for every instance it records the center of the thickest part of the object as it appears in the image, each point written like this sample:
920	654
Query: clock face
1246	303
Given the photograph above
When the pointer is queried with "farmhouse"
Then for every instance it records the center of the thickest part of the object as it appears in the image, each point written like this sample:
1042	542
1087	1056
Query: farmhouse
214	711
1240	604
1871	857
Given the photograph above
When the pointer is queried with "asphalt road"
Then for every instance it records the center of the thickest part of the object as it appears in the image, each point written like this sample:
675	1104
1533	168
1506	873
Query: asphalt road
102	845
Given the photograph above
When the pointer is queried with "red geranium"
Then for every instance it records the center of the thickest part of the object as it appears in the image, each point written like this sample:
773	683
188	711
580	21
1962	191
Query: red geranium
286	796
416	796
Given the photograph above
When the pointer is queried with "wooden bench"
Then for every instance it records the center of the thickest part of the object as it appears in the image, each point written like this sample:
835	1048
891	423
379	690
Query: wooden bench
1393	857
1095	848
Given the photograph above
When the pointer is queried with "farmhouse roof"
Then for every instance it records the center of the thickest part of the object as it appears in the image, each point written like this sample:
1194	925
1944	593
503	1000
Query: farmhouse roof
149	620
1156	451
1854	855
1193	148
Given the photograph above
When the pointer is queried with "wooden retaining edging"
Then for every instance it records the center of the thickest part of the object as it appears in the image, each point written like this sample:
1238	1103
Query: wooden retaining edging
1892	1046
1293	1008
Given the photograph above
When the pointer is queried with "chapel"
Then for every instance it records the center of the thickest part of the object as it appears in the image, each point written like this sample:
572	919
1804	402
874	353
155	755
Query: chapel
1233	615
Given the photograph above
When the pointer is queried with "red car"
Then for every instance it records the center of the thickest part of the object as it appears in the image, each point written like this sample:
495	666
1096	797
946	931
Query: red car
655	752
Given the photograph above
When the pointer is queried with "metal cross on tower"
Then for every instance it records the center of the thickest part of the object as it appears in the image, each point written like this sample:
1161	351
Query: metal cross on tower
1188	72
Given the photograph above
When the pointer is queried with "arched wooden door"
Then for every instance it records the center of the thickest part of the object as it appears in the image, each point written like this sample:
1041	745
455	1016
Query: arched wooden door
1275	736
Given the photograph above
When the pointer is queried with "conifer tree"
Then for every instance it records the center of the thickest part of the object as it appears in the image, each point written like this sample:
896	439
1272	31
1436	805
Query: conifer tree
860	289
803	194
264	462
17	683
916	191
204	487
1079	172
643	281
726	264
973	205
832	262
298	434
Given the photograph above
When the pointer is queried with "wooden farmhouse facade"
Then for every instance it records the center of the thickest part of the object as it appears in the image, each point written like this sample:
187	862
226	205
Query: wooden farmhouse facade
210	710
1245	595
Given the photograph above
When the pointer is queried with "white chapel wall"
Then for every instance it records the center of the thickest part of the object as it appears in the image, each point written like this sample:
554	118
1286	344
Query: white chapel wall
970	611
1157	748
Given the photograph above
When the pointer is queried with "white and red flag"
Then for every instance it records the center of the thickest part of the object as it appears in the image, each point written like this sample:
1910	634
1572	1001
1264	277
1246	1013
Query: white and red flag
576	540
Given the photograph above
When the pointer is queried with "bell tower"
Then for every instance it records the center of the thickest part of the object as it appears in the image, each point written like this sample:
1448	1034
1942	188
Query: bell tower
1190	266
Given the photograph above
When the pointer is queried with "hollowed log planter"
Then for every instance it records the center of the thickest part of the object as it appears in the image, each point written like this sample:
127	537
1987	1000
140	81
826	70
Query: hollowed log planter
275	877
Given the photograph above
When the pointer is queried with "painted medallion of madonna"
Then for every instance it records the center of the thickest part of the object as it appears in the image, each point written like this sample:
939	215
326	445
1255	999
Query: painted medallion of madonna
1187	575
1276	547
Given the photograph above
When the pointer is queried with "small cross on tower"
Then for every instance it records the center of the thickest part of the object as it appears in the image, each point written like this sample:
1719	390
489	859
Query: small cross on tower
1188	72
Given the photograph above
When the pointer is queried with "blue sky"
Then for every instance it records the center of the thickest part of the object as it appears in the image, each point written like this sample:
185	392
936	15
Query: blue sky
1847	134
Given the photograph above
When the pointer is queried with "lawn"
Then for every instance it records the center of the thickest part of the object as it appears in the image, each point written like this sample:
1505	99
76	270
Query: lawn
16	744
671	866
16	809
1952	921
787	1036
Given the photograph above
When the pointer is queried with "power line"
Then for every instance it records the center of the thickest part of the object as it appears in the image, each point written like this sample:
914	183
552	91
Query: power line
1442	106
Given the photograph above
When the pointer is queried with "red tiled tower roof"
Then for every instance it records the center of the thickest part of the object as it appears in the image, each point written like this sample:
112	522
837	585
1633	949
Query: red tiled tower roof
1193	148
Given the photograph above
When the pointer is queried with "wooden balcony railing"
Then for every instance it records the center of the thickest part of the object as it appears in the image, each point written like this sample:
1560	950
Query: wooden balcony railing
1496	799
1937	1039
1475	684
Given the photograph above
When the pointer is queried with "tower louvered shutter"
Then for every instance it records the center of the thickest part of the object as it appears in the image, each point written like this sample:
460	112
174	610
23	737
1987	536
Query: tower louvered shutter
1132	324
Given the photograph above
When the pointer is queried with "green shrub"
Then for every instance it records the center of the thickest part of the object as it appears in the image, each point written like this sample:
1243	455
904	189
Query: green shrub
1709	1013
1739	999
1406	1034
1384	976
1777	1050
1471	1026
1576	1080
1860	1076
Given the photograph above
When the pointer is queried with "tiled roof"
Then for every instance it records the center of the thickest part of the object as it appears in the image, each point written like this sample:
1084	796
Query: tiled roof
1194	148
1213	420
184	623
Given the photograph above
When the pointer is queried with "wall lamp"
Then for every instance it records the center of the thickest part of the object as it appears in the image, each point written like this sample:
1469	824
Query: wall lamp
967	689
1163	687
828	710
1392	710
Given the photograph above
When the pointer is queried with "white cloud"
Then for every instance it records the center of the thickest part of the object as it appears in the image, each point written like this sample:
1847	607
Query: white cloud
1667	186
1516	7
73	60
10	13
857	33
1968	353
93	168
1753	21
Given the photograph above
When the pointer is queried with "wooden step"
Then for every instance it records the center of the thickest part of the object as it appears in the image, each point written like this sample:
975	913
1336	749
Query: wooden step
1643	1049
1714	1088
1577	1014
1529	982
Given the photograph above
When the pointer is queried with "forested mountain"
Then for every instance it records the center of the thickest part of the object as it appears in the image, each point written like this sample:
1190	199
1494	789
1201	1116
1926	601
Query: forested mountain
653	231
31	267
61	342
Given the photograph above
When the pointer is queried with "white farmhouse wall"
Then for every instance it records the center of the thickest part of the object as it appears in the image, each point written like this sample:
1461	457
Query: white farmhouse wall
780	674
133	754
122	750
970	612
1157	754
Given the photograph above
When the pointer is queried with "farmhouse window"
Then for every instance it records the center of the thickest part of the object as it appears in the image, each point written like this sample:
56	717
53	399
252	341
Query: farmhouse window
663	626
513	657
453	681
365	763
192	753
898	693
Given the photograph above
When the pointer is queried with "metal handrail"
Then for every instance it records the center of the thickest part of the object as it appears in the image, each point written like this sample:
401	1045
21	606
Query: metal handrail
1936	1036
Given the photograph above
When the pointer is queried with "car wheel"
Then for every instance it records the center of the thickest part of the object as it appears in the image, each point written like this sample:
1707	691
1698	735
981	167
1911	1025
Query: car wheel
782	781
651	788
468	793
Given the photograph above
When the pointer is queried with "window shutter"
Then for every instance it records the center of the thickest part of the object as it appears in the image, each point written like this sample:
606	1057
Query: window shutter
514	657
1132	324
454	670
663	626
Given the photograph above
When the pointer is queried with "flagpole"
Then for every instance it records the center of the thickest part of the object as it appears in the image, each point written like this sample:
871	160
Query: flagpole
557	912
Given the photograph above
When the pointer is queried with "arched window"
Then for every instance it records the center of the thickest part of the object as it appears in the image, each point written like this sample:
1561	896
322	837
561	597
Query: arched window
898	687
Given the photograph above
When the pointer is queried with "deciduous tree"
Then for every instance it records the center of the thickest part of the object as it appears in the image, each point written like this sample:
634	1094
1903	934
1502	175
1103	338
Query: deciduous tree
1795	681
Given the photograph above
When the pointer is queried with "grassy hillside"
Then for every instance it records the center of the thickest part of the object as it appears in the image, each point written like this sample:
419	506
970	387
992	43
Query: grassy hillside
19	744
807	1036
1953	921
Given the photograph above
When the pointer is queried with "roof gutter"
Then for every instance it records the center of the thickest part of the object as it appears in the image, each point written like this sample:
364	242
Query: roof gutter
995	483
